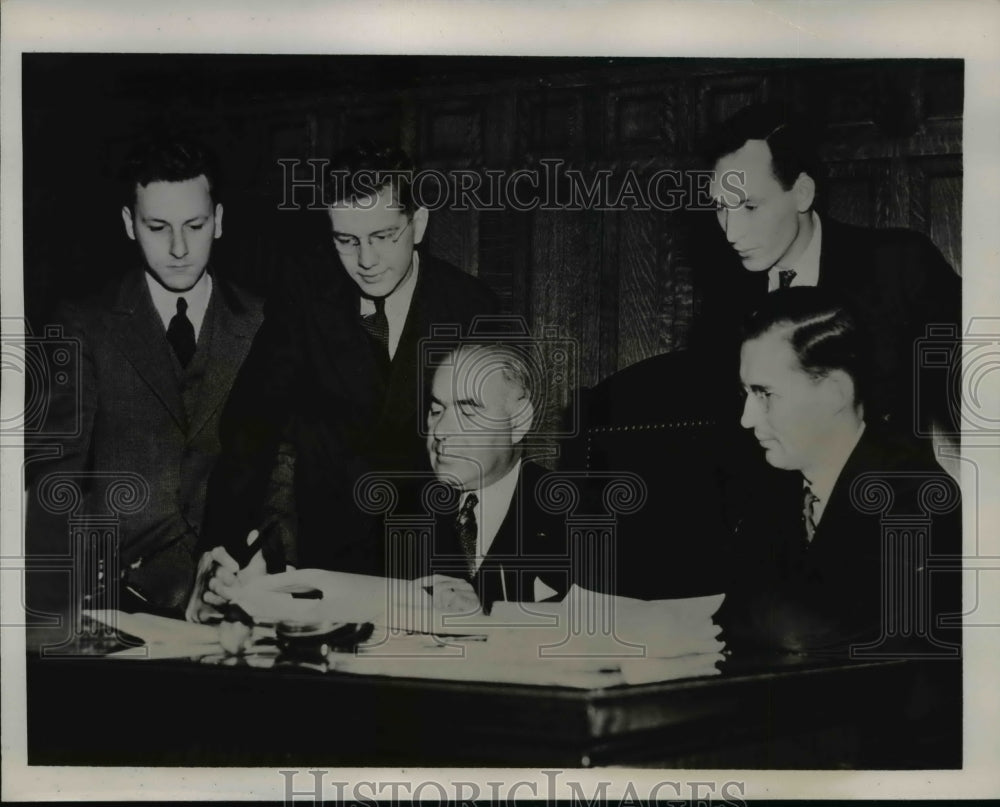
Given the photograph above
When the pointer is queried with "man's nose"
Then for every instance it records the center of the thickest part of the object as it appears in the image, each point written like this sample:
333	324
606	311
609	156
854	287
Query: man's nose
732	224
750	412
178	243
367	254
445	425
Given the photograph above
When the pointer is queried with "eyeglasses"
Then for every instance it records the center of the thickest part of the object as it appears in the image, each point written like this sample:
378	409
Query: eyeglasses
350	244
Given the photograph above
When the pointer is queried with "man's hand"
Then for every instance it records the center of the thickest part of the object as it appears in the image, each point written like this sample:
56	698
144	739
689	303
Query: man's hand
451	595
217	580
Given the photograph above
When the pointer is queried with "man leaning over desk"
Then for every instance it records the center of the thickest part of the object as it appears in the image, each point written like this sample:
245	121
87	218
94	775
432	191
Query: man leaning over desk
331	390
497	536
767	182
491	541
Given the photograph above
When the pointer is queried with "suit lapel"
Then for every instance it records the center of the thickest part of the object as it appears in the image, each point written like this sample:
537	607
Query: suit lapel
349	353
138	331
508	542
841	258
517	540
405	367
231	335
840	509
756	285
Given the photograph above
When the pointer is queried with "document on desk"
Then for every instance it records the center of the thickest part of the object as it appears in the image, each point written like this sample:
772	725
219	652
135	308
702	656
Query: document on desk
163	637
589	623
489	661
586	641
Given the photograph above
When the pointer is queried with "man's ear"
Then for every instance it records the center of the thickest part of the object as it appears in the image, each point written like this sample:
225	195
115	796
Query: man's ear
805	192
840	387
522	416
218	221
127	218
420	217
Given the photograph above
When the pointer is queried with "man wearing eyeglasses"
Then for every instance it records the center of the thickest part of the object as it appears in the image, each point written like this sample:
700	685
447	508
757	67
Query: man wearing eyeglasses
332	388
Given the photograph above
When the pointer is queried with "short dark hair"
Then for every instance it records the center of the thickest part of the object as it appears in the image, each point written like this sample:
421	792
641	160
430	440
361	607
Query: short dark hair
366	168
792	144
821	330
169	159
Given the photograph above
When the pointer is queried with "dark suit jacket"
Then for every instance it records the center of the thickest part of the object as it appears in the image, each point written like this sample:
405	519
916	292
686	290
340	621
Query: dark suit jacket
897	283
827	594
530	544
313	380
142	414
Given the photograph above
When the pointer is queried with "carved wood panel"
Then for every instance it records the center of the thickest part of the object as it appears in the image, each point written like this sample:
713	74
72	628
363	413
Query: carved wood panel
936	207
381	123
723	96
617	281
453	236
629	294
552	123
858	193
452	133
641	121
567	293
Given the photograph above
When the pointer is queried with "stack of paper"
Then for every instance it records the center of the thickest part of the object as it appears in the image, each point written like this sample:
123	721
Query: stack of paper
588	639
414	657
640	640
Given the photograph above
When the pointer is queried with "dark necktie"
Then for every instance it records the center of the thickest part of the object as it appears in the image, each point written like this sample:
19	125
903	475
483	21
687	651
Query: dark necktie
180	334
377	324
809	500
785	277
467	531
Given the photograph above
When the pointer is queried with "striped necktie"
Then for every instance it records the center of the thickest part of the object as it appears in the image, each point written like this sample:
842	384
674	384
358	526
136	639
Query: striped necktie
377	324
809	500
468	532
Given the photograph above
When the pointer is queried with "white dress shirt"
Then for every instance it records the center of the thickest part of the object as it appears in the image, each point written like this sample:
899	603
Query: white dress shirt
806	268
197	297
826	477
491	509
397	306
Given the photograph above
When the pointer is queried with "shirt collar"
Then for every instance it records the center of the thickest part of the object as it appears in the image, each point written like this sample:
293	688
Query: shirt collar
806	268
397	306
197	297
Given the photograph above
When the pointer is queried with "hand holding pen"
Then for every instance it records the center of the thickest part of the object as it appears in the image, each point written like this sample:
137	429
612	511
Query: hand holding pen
219	576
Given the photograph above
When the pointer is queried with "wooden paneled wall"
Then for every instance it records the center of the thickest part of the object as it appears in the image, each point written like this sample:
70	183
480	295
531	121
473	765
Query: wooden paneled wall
618	282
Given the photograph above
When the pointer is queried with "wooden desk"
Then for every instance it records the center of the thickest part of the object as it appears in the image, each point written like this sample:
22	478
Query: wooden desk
762	712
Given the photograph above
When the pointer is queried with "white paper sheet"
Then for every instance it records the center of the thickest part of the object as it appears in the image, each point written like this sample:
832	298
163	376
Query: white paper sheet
586	624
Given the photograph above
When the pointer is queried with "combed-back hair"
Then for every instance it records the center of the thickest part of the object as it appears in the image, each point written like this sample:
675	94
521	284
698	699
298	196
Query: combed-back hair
822	332
793	146
163	158
365	169
516	363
